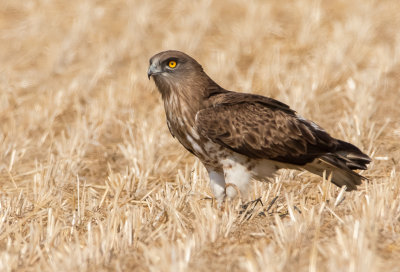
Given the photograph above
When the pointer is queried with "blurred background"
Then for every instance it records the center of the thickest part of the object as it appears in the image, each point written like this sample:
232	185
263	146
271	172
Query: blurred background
63	62
75	103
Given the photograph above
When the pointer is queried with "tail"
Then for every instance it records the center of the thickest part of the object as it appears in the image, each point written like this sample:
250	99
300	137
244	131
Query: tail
341	164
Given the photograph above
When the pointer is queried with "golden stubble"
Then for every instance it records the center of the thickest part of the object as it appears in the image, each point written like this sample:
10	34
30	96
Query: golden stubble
90	178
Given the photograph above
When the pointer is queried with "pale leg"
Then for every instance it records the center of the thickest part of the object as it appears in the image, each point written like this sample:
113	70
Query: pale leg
238	175
217	183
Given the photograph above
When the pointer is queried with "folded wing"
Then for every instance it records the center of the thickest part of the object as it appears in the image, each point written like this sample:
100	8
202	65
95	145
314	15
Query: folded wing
261	130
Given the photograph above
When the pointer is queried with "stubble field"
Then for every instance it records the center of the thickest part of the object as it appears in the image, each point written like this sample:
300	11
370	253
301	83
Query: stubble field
91	180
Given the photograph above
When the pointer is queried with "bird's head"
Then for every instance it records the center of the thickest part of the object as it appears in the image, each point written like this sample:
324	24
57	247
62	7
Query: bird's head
172	64
174	69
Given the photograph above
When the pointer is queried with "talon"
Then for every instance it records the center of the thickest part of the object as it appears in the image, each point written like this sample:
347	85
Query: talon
249	211
272	203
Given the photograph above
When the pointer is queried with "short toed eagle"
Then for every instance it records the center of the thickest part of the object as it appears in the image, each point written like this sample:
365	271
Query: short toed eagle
238	136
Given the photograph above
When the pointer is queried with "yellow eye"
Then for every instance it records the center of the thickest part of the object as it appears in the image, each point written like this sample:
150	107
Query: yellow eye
172	64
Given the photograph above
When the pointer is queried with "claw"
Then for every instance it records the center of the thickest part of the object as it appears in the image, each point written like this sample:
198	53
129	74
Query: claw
249	207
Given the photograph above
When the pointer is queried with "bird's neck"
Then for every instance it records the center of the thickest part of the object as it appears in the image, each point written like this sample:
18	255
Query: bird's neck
180	107
185	98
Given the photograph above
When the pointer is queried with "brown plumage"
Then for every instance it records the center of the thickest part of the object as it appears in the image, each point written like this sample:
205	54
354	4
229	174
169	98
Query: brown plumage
238	135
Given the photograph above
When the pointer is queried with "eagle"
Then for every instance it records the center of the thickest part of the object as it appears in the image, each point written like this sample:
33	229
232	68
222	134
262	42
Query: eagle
240	136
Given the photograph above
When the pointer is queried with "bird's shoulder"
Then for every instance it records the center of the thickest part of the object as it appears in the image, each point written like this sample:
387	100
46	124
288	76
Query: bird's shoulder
229	98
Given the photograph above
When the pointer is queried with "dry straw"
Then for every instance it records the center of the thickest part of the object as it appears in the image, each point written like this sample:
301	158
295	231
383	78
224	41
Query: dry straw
91	180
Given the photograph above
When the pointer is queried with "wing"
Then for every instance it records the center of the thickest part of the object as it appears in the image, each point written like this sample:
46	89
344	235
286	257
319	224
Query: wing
223	97
258	129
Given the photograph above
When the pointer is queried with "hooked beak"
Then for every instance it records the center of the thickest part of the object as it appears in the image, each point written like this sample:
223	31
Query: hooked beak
153	70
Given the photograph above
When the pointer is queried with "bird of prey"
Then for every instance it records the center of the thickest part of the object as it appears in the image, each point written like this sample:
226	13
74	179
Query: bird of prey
238	136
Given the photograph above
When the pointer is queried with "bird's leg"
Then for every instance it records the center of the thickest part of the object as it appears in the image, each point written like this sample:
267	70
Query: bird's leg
217	184
238	175
234	186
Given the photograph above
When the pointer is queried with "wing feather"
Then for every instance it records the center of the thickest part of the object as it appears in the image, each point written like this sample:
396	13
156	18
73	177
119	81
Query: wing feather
261	130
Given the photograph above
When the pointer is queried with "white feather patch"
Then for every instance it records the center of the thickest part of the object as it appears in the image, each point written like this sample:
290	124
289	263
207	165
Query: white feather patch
194	144
237	173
